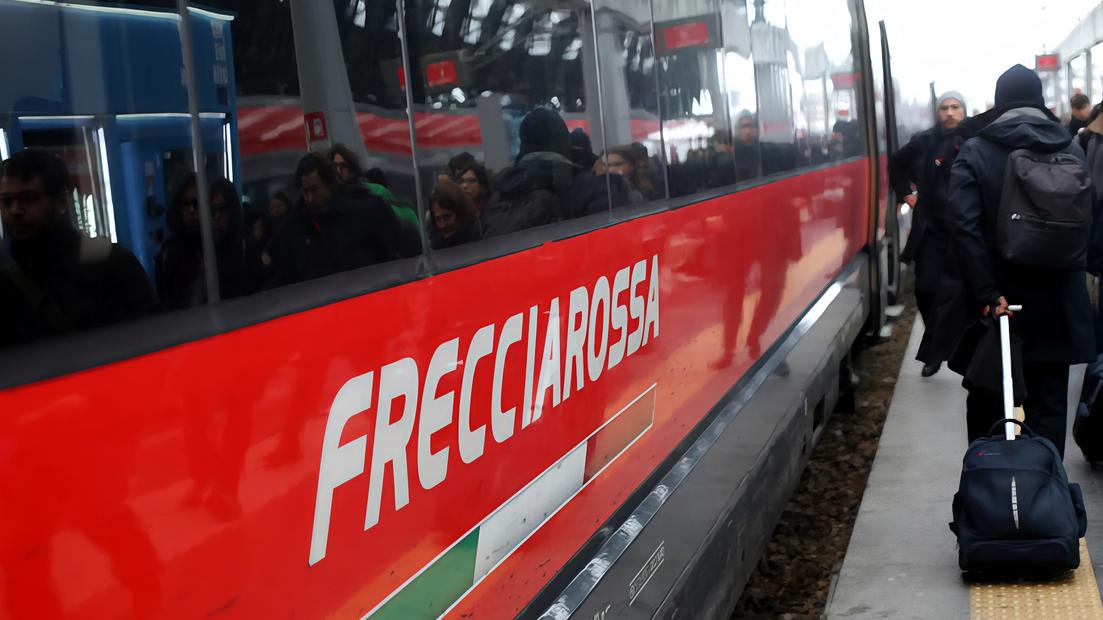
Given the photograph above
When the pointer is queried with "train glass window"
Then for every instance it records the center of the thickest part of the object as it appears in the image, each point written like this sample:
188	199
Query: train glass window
772	49
822	81
696	129
1096	56
504	96
324	176
633	154
1078	75
95	138
739	89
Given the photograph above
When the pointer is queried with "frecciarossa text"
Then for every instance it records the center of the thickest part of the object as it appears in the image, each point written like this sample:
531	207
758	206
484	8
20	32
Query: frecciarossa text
604	323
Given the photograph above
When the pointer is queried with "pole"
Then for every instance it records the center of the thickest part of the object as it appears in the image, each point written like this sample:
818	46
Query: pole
206	230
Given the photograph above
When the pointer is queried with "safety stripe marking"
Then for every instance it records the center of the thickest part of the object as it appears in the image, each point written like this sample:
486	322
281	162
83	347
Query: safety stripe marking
1075	597
444	582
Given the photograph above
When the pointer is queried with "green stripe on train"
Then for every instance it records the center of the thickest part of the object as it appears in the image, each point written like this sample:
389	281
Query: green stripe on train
437	587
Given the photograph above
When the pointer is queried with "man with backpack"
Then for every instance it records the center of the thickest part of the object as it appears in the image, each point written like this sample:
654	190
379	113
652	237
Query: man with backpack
1022	207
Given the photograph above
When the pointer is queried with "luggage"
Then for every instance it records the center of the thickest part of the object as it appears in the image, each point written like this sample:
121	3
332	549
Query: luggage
1015	512
1087	427
1045	212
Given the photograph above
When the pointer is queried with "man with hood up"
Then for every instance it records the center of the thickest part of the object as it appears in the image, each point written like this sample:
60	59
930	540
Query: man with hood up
925	162
544	185
1055	325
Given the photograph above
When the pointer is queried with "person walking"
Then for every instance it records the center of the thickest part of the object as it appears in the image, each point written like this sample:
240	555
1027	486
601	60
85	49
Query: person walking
1055	325
925	162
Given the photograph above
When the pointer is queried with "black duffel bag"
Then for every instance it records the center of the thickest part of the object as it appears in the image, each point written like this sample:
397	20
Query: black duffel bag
1015	512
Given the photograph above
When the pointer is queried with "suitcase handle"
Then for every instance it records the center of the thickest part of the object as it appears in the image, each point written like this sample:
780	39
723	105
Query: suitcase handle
1005	358
1007	424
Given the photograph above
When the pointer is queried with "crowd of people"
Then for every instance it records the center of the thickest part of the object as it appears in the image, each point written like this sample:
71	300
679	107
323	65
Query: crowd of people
974	184
344	217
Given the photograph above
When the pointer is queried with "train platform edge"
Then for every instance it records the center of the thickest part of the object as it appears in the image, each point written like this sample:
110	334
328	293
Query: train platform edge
901	562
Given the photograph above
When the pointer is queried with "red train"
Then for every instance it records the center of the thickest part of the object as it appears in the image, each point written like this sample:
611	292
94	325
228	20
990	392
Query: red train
602	417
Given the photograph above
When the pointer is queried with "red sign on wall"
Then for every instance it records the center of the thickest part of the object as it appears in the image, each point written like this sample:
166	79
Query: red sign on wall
442	73
1047	62
315	126
689	34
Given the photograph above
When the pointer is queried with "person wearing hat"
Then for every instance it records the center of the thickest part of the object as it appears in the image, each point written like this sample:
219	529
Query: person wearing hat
1055	325
924	162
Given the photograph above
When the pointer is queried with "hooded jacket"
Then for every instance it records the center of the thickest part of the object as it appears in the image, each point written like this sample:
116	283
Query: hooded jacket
1056	322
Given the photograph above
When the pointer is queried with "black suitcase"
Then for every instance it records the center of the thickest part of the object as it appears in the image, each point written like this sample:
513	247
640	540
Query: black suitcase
1015	512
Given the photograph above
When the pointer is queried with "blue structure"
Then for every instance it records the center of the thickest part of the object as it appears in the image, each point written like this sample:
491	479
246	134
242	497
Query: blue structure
103	87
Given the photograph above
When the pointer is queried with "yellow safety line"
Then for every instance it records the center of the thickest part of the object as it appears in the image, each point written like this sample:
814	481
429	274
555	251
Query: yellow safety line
1075	597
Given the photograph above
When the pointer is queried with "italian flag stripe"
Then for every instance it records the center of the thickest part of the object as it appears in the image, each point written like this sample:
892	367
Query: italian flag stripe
437	587
444	582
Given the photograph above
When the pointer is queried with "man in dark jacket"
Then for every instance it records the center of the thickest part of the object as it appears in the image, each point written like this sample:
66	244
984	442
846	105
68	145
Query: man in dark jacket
1055	325
925	162
54	280
334	228
544	185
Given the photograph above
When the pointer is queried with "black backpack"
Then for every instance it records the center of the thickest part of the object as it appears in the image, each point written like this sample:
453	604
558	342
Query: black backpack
1015	512
1045	211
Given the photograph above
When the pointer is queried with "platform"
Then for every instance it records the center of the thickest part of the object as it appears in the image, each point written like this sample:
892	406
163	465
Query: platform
902	559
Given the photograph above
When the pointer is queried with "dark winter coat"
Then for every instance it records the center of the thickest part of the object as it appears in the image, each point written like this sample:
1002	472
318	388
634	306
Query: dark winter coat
926	160
356	230
64	282
545	187
1056	322
466	234
179	268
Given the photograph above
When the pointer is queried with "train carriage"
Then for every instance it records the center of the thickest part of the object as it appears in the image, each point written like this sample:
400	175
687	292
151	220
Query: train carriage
598	417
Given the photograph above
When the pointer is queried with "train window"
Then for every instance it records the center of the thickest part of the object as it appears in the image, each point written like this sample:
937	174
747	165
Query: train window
504	94
633	153
739	88
1078	74
822	81
95	138
696	129
1096	55
318	142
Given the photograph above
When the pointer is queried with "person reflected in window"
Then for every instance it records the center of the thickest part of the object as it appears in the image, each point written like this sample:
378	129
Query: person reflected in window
453	218
845	140
747	149
181	276
620	162
332	229
648	167
544	185
258	234
352	180
53	279
582	151
475	183
278	206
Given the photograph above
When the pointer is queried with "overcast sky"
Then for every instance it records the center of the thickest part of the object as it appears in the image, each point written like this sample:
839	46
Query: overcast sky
964	45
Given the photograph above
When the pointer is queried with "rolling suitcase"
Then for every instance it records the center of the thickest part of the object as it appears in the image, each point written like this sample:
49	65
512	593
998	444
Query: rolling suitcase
1015	512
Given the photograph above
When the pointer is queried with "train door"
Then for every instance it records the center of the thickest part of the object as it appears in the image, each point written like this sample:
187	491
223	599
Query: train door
893	234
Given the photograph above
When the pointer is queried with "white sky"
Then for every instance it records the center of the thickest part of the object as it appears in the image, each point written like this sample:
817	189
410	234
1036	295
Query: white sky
965	45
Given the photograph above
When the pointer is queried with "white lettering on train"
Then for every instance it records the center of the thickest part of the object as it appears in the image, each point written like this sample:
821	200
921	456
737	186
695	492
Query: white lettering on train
587	354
